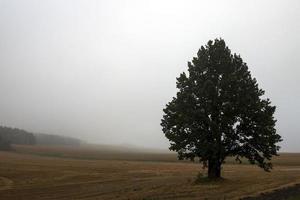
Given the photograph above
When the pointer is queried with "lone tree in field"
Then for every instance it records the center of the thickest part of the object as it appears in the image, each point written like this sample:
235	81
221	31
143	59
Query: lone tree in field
220	111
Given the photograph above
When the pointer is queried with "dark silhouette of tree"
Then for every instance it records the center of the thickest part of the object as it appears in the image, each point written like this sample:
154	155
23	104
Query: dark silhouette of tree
219	111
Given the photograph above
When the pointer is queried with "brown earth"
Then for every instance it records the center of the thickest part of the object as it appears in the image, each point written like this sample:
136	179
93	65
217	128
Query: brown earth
285	193
24	176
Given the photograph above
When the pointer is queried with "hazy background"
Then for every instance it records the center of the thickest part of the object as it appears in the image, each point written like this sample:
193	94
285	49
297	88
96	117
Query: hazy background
103	70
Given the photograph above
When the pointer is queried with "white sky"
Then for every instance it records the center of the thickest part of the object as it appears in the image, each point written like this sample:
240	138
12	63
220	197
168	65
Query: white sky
103	70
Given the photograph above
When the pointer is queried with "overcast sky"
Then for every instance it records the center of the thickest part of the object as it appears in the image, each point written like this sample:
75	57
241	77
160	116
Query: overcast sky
103	70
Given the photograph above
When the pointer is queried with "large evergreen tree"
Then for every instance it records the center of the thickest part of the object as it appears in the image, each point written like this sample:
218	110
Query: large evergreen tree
220	111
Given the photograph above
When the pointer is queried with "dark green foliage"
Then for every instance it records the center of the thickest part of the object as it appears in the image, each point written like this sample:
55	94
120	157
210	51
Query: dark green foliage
16	136
219	111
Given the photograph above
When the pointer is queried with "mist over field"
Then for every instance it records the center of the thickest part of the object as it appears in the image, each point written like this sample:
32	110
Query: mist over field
102	71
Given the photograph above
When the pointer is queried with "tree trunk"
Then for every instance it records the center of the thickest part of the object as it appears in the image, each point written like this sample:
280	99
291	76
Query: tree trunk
214	169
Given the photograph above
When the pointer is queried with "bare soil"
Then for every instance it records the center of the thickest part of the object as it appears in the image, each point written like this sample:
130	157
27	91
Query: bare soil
286	193
35	175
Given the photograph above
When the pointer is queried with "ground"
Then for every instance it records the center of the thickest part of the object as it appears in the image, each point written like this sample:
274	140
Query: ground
286	193
29	176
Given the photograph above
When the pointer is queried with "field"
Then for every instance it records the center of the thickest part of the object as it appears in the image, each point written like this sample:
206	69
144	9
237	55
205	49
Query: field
91	173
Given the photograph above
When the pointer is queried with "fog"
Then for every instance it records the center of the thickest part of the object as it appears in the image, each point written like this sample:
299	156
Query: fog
102	71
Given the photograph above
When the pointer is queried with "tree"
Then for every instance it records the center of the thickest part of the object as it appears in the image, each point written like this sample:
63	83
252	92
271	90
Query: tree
220	111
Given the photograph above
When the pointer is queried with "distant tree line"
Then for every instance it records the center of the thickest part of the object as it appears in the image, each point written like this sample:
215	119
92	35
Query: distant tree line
4	145
47	139
10	136
16	136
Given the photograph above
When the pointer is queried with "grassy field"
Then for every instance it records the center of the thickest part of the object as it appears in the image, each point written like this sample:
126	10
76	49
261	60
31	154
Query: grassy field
91	173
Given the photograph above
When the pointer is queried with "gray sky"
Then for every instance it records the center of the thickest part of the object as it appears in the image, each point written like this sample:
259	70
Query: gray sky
103	70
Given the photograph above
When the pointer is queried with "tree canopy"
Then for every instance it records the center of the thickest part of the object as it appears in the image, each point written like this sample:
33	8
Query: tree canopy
220	111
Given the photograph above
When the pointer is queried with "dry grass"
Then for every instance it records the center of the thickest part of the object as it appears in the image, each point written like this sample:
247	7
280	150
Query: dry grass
24	176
